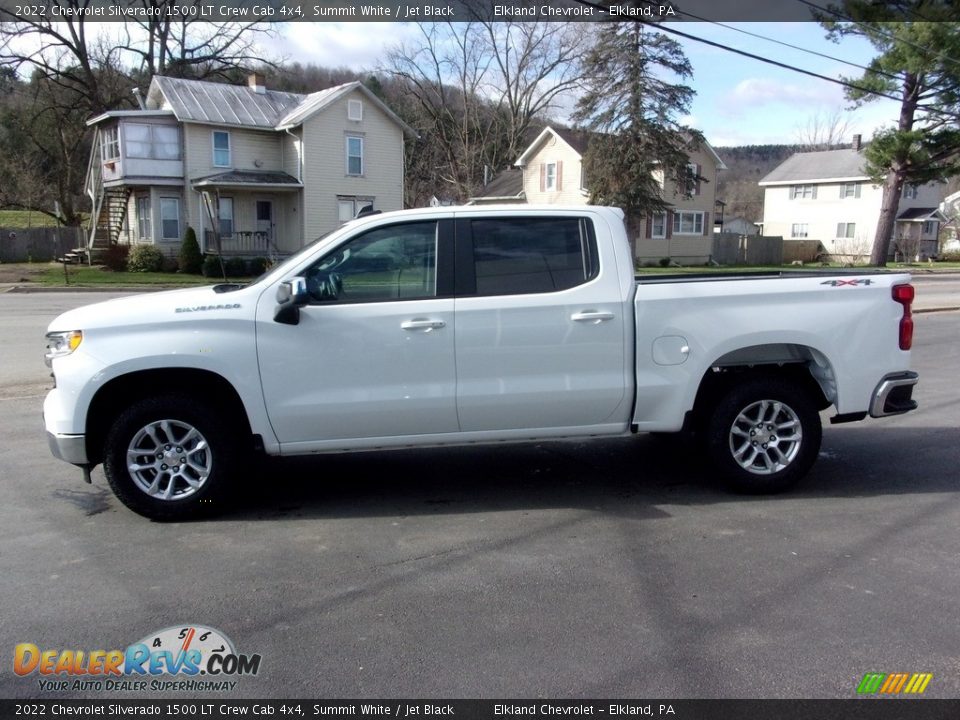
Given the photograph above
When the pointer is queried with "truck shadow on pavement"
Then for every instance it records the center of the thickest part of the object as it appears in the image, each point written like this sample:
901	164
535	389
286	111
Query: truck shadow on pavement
626	476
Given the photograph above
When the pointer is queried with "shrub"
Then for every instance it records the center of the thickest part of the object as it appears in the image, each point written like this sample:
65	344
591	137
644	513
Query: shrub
191	259
950	256
115	257
235	267
211	267
170	264
257	266
665	262
145	258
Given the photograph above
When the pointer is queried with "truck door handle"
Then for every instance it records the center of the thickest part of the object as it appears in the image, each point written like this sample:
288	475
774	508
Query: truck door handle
591	316
422	324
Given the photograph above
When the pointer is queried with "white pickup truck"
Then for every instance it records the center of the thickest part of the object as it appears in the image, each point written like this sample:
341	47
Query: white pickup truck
469	325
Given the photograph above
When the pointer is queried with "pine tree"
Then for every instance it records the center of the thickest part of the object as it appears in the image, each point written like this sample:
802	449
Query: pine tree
918	62
633	107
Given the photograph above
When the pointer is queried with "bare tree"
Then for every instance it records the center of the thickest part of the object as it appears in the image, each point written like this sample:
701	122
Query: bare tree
824	130
480	86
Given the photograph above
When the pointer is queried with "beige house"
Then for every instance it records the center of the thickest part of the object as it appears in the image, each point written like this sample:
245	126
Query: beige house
552	168
269	170
826	196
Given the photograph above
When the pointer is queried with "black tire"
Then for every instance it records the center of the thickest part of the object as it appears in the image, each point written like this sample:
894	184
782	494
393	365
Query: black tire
772	460
168	419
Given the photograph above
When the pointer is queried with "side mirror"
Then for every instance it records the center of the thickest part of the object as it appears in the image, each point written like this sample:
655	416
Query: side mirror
291	295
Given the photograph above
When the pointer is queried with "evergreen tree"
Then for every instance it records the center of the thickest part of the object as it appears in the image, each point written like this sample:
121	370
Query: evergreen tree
633	107
917	62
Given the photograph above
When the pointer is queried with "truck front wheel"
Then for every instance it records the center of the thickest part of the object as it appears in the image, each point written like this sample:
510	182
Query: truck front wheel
168	457
764	435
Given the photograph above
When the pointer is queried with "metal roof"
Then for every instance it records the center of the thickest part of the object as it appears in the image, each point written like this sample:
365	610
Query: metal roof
222	104
823	166
247	177
508	183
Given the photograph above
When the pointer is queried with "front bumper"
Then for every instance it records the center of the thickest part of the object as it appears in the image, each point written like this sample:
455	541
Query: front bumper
894	395
71	448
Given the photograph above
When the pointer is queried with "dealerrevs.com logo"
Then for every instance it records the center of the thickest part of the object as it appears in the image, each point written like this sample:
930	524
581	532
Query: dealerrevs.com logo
183	657
894	683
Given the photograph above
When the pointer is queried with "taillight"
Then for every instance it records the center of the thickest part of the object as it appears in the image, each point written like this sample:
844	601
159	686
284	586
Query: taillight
904	295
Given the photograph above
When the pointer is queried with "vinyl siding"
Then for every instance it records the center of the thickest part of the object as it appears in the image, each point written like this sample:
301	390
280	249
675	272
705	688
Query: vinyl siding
324	161
554	150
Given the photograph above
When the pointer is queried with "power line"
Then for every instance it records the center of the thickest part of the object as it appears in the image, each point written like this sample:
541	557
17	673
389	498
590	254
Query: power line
879	31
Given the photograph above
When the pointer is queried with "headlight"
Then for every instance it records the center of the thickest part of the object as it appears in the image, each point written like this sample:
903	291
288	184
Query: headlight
62	343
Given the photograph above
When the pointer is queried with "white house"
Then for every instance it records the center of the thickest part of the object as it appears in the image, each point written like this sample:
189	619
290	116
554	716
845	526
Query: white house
552	173
827	196
270	170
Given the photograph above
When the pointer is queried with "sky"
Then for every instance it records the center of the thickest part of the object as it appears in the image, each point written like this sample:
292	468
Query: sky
739	101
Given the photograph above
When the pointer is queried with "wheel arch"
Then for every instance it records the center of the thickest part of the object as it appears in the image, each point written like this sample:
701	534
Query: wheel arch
122	391
805	365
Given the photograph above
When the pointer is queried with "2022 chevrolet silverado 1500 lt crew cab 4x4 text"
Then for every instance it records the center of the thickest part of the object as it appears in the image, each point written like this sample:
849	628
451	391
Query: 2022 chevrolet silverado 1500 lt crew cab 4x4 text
466	325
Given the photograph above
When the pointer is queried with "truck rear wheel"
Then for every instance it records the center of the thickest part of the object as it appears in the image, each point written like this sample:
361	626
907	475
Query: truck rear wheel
764	435
169	457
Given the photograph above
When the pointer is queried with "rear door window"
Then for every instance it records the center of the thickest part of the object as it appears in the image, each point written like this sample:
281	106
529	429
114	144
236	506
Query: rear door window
522	255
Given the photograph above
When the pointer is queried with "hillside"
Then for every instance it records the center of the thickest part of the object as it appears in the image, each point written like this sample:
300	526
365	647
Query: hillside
747	165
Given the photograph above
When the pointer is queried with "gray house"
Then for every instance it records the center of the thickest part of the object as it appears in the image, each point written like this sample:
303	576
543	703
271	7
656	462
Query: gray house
269	171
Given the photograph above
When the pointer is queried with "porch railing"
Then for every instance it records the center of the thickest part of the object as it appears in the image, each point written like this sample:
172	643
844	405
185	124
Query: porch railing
248	243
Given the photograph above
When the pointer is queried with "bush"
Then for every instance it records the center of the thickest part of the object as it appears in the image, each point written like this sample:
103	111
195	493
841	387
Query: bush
257	266
665	262
211	267
115	257
145	258
191	259
170	264
235	267
950	256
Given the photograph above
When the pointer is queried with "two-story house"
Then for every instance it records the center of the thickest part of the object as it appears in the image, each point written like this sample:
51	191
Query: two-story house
827	196
552	168
269	170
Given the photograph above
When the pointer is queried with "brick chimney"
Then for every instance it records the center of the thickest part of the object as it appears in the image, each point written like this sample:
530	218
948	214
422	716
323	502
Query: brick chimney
856	142
257	83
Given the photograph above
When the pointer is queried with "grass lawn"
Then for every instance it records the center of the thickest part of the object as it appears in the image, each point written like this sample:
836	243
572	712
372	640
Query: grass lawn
83	276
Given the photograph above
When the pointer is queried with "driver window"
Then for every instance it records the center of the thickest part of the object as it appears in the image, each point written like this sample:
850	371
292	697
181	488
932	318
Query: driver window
397	262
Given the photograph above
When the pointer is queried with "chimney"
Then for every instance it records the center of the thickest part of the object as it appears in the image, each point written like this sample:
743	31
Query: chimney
257	83
856	142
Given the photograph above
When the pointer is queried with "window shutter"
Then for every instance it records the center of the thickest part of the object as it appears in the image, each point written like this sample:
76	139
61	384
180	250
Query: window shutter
841	231
543	177
843	190
669	223
559	175
856	192
649	232
706	224
696	184
814	192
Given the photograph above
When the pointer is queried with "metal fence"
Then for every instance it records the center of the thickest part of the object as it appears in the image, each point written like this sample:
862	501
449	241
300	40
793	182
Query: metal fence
39	244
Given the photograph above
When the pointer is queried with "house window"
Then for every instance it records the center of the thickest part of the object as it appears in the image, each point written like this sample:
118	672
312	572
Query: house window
850	190
354	110
170	218
658	225
799	230
221	148
144	224
550	177
348	207
846	230
692	184
910	192
110	144
354	155
688	223
226	216
806	192
930	227
155	142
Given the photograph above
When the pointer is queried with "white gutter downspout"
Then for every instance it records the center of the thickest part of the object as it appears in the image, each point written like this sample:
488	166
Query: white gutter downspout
303	194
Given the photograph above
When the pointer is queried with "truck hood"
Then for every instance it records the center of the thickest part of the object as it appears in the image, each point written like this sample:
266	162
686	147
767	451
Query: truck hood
159	307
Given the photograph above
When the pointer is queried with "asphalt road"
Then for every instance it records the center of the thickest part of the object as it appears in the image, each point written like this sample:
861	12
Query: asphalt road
605	569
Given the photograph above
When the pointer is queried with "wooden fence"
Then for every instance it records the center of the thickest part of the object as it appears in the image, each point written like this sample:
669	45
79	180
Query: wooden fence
733	249
39	244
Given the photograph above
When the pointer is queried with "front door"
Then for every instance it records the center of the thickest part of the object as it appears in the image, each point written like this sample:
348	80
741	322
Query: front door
373	353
